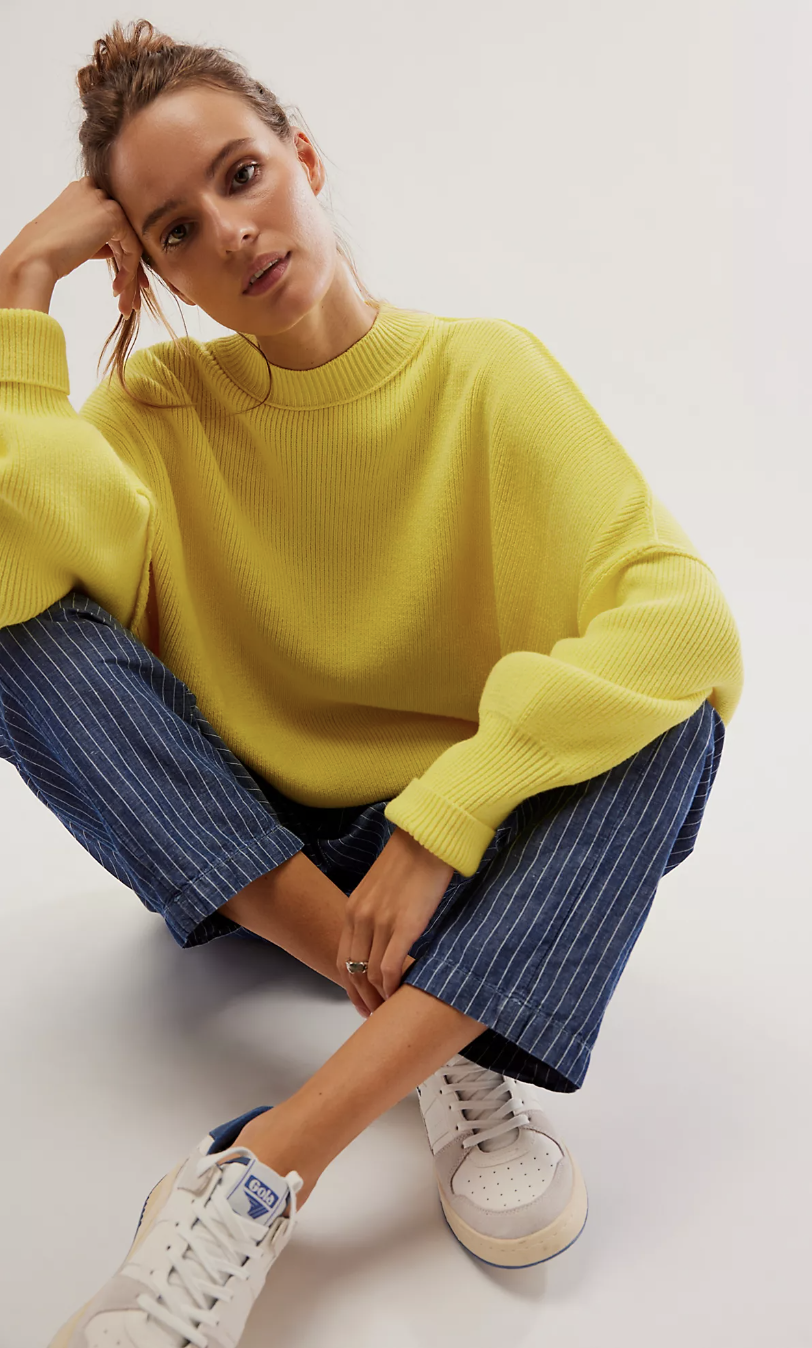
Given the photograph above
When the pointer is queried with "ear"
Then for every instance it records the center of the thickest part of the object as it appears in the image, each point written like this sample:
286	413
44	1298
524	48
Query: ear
309	160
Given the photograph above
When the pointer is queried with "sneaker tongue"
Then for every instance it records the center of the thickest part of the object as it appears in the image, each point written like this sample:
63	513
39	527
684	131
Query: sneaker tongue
254	1190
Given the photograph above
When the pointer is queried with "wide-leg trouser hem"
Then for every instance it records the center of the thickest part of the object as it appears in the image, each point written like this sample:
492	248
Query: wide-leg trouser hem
563	1056
191	913
534	944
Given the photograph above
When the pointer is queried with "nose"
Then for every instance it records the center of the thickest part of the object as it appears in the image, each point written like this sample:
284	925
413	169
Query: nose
231	231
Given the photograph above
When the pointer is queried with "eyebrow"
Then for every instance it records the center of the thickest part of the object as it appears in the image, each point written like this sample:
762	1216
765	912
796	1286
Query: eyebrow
210	172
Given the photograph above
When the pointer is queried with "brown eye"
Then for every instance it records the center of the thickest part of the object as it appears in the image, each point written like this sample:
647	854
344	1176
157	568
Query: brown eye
165	241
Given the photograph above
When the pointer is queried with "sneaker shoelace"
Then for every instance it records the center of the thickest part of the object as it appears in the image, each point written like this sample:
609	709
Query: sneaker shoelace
488	1098
215	1245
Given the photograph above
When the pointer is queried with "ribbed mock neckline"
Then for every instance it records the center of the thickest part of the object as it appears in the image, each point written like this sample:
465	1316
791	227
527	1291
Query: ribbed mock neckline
377	356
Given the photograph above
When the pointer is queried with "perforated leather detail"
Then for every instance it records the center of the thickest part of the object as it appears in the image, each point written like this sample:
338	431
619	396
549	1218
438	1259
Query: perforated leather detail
515	1191
116	1298
510	1183
131	1328
525	1220
111	1329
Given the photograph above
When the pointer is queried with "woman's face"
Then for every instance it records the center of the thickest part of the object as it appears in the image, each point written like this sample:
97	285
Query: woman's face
261	198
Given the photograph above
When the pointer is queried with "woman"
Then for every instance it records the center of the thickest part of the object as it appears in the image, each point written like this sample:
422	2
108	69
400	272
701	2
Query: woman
460	681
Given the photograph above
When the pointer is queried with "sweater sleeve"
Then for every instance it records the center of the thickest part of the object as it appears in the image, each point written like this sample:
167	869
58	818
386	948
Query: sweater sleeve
74	513
642	634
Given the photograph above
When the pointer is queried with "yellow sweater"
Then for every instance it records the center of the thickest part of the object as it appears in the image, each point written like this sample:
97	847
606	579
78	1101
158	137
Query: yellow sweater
424	572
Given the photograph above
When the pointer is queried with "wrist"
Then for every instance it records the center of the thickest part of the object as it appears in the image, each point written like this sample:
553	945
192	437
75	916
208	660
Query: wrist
418	850
25	282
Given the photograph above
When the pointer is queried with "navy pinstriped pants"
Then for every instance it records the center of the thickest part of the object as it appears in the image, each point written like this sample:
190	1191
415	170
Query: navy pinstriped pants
532	945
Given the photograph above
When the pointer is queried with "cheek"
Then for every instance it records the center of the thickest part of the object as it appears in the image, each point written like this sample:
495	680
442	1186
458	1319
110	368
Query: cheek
306	220
316	230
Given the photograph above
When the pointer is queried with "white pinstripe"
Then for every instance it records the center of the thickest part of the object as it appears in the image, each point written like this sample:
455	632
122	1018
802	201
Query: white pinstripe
191	792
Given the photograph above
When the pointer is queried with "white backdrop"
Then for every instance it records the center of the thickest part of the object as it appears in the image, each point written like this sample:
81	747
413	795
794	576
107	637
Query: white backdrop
631	182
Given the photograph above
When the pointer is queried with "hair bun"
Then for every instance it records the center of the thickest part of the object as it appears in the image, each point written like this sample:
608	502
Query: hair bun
121	48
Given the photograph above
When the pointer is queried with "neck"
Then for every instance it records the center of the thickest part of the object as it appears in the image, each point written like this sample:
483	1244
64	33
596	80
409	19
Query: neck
335	323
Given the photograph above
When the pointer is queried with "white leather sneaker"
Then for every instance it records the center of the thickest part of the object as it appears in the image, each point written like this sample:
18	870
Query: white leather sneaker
208	1234
510	1189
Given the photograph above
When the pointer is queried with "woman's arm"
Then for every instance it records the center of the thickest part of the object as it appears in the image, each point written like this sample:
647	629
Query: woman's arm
25	283
76	512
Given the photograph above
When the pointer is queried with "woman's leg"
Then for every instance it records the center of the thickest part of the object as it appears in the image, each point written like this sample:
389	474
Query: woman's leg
112	742
297	907
403	1042
115	745
408	1037
534	942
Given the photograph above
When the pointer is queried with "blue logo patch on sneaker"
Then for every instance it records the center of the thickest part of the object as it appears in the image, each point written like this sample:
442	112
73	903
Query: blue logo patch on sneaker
261	1197
254	1196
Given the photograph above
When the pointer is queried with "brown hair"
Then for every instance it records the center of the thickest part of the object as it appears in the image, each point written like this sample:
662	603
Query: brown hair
128	71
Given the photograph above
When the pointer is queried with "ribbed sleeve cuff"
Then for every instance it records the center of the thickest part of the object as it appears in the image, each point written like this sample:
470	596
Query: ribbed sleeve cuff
450	833
455	808
33	349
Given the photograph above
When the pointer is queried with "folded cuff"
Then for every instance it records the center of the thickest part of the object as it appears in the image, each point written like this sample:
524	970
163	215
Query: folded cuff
191	914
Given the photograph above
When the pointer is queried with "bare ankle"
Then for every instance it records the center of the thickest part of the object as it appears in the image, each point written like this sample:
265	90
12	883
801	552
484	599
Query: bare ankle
274	1149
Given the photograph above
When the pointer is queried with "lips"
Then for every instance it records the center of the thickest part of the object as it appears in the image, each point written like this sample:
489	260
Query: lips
259	263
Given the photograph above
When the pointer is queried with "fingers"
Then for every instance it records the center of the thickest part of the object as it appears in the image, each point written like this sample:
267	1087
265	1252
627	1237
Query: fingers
130	247
384	942
128	288
378	972
387	948
371	938
363	993
393	960
130	276
360	991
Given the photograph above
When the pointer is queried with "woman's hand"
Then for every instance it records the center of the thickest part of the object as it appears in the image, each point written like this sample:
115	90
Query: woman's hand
83	223
386	913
